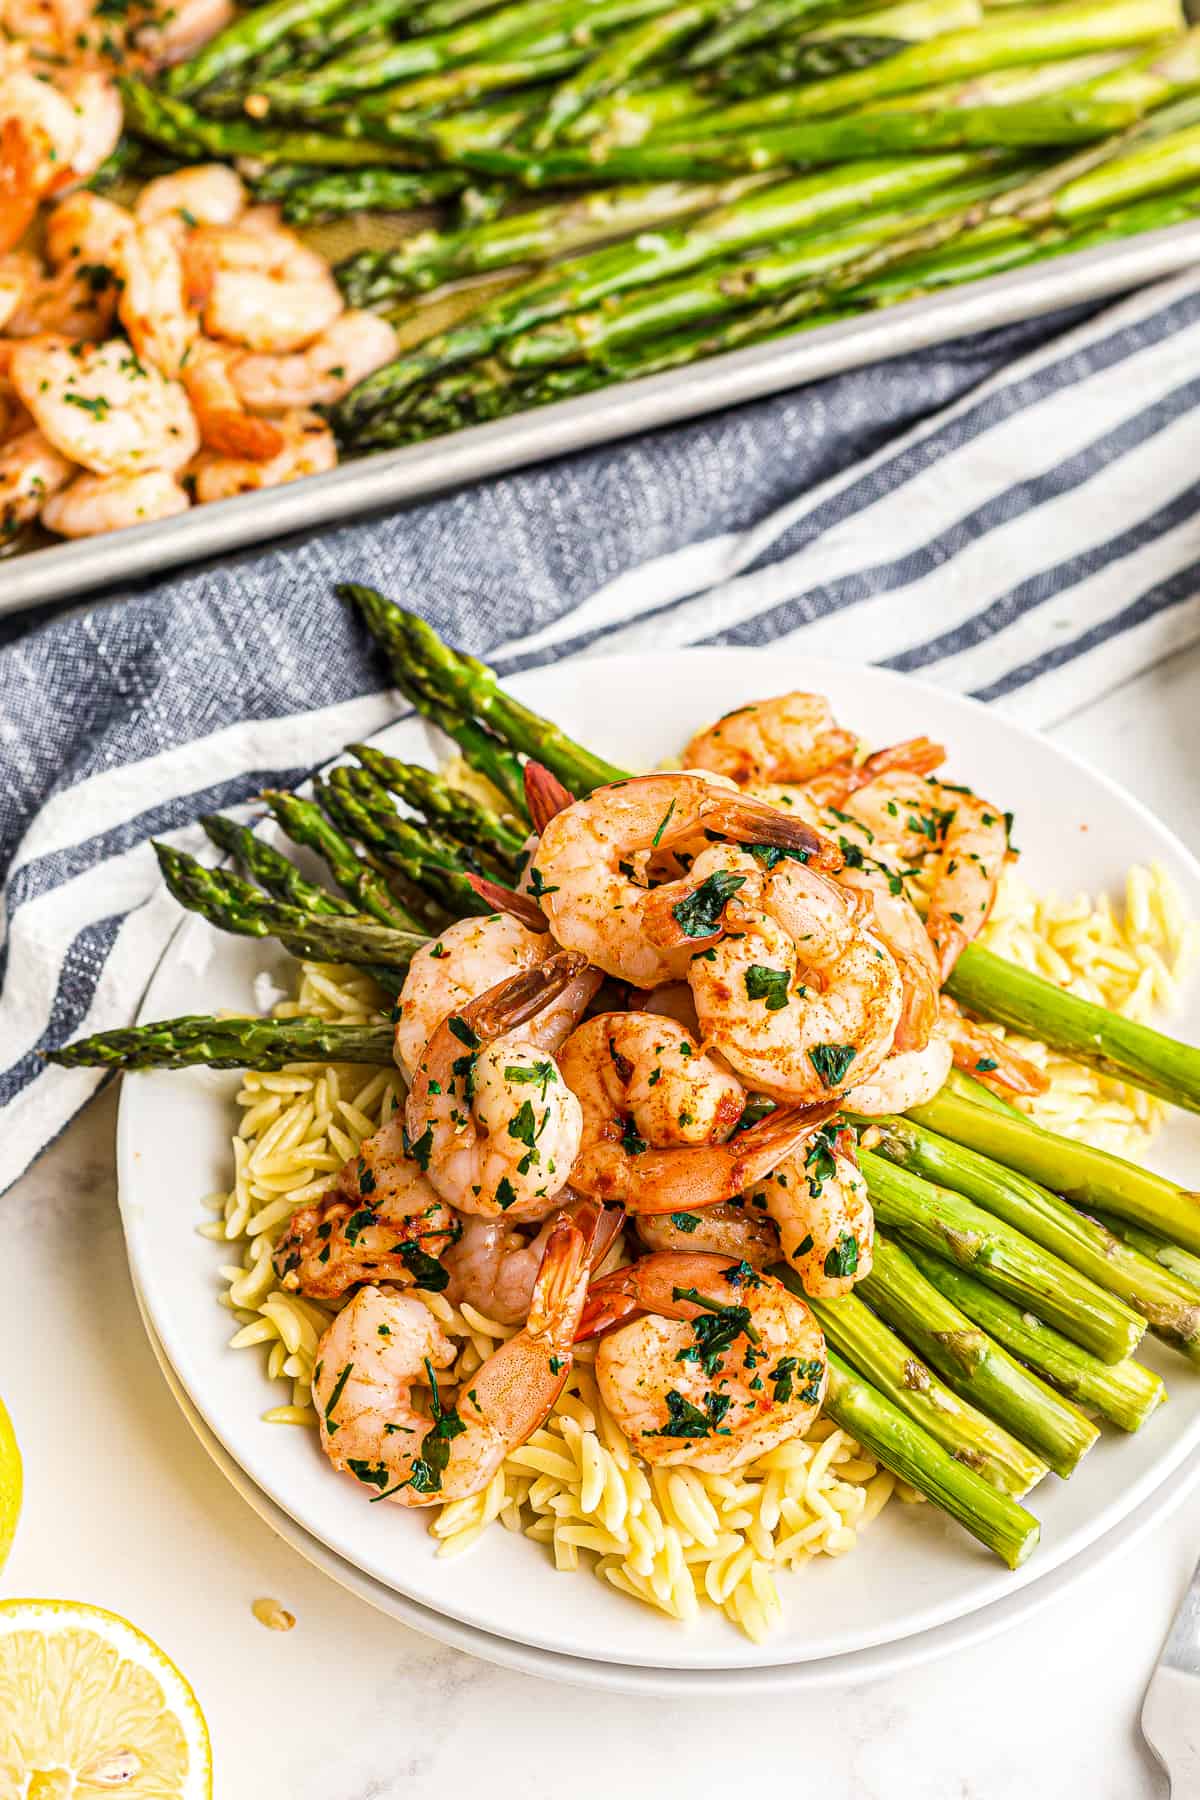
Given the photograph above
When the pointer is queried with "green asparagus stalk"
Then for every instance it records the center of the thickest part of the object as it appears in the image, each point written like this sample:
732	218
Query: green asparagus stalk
890	1366
977	1368
1125	1393
769	21
1180	1262
458	813
189	135
791	206
433	257
469	685
1168	1305
272	870
465	84
234	905
363	810
1089	1178
369	190
196	1041
306	824
250	35
619	60
997	1520
948	1225
1004	40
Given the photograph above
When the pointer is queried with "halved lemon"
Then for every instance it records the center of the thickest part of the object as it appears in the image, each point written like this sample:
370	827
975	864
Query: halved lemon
89	1704
10	1484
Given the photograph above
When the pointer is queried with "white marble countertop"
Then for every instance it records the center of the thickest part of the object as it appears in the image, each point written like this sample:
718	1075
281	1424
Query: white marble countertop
125	1509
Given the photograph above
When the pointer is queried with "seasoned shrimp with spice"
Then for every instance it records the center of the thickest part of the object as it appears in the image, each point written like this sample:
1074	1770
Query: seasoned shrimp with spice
453	969
790	738
97	503
819	1204
349	350
592	868
495	1262
308	449
795	992
101	406
379	1221
205	194
258	286
732	1229
905	1078
723	1364
31	472
490	1119
382	1345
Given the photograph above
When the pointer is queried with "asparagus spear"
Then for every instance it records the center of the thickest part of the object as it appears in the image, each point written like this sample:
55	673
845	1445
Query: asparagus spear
368	190
271	869
995	1519
1125	1392
469	684
188	134
768	20
305	824
432	257
1169	1306
356	803
234	905
974	1366
969	1436
1042	34
460	814
196	1041
951	1226
579	282
466	83
618	60
1088	1177
249	36
1180	1262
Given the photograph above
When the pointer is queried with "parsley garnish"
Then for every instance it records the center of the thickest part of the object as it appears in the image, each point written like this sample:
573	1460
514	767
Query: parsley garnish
506	1193
831	1061
429	1466
425	1270
462	1031
420	1149
542	1072
662	825
843	1258
686	1420
685	1221
986	1064
781	1375
770	985
771	854
537	886
699	915
338	1389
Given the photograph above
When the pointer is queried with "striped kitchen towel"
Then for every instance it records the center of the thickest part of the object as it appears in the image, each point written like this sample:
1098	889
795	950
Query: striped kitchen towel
1016	516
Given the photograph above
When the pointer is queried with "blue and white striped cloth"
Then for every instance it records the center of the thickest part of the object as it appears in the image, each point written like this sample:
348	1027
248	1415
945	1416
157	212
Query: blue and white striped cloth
1016	516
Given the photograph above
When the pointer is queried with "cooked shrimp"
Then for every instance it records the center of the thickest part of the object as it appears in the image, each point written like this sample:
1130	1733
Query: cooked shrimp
377	1348
725	1365
796	994
819	1204
169	34
104	408
494	1264
988	1058
380	1221
591	867
308	449
152	307
225	425
790	738
635	1071
447	973
907	1078
23	160
31	472
259	286
96	104
98	503
898	924
489	1116
731	1229
17	275
353	347
206	194
86	228
77	303
970	836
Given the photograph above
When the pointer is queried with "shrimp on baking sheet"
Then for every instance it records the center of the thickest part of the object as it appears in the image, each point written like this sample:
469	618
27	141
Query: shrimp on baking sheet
225	425
97	503
819	1205
205	194
308	449
794	991
379	1221
31	472
257	285
591	870
345	353
101	406
489	1117
382	1345
495	1262
790	738
723	1364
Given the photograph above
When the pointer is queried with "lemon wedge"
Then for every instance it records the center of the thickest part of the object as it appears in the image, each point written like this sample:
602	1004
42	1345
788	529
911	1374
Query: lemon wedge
89	1704
10	1484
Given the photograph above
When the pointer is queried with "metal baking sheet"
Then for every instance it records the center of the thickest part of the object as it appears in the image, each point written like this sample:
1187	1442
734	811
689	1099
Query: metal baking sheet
388	479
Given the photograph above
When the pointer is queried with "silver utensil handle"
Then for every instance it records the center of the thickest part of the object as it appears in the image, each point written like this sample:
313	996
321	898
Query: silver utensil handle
1171	1710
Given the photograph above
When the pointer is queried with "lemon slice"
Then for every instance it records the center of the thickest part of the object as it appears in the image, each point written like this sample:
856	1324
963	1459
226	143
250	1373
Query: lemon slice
10	1484
88	1704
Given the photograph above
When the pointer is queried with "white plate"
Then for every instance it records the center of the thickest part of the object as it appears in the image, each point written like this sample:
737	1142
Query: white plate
856	1666
914	1569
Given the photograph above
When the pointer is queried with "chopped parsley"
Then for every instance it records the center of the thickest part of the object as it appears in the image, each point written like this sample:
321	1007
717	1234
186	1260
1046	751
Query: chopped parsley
686	1420
686	1222
338	1390
986	1064
420	1149
537	886
771	854
699	915
768	985
831	1061
842	1260
506	1194
543	1073
662	825
462	1031
425	1270
429	1467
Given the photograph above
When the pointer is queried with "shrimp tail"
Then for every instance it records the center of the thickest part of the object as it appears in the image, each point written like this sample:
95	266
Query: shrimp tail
511	1003
515	1390
505	900
21	152
916	756
565	1265
545	795
746	821
989	1059
238	434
